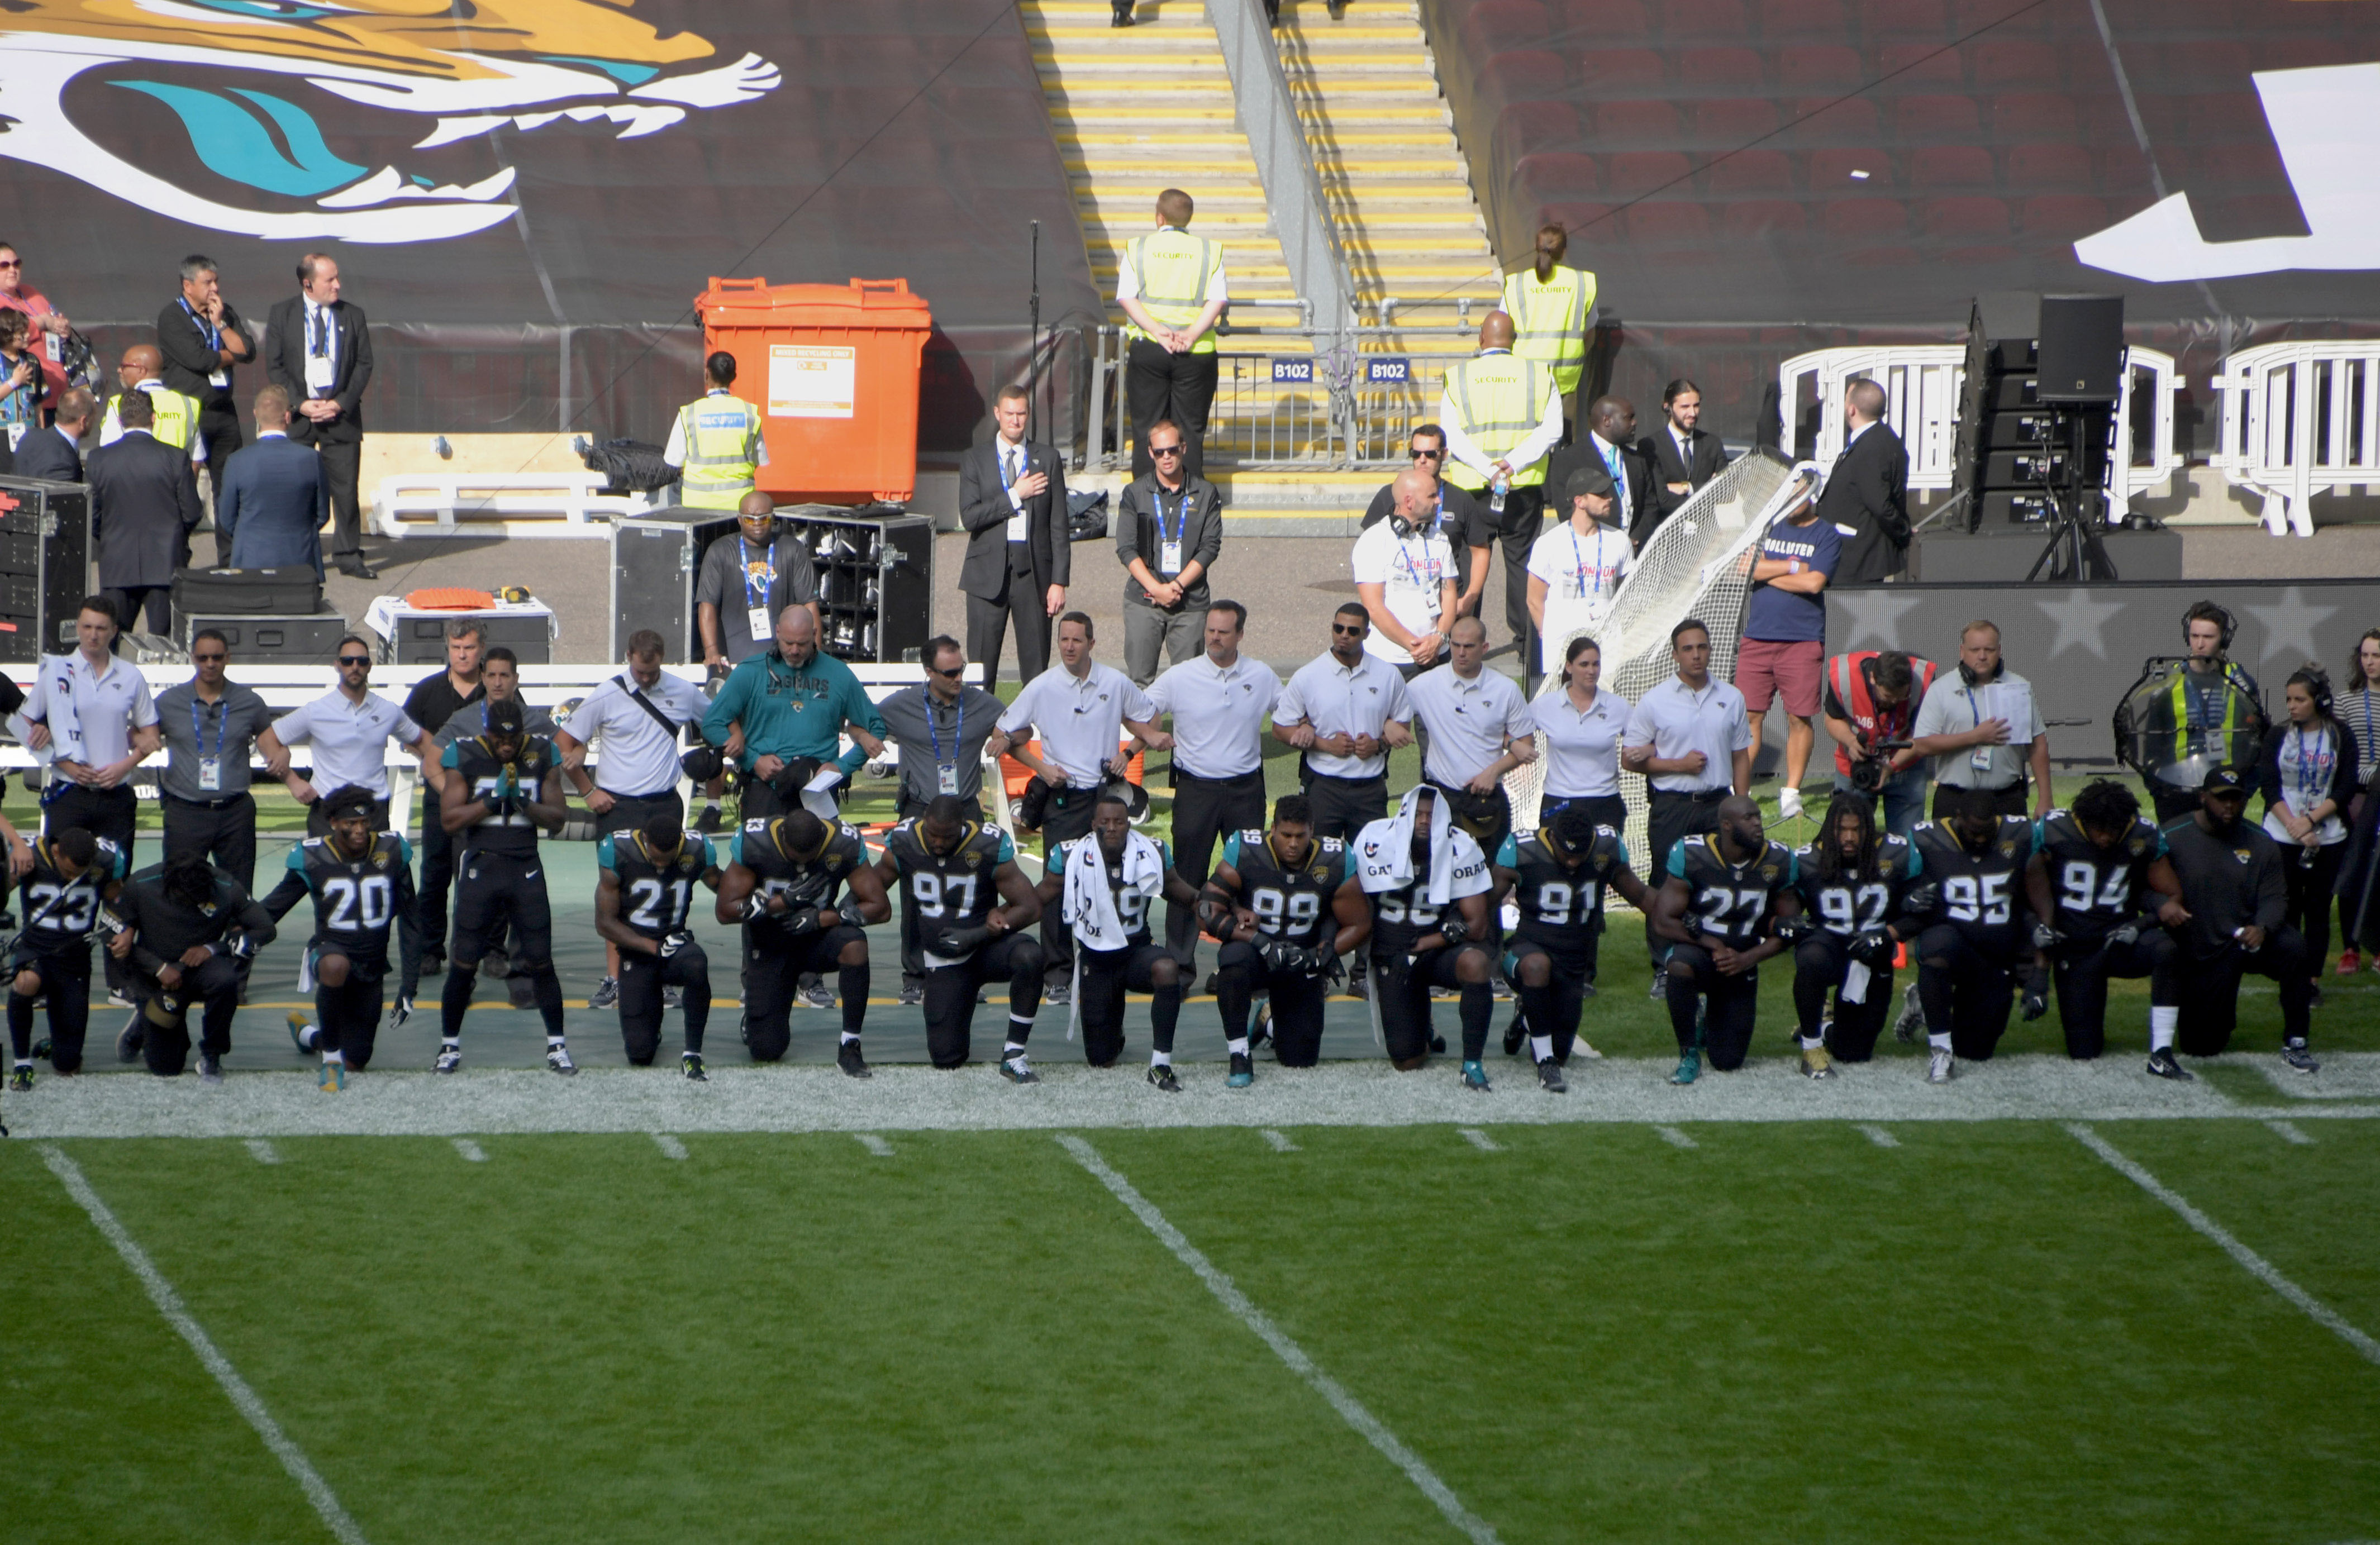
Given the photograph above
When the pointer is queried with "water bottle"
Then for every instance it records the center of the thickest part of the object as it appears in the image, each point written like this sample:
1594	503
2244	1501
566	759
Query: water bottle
1496	499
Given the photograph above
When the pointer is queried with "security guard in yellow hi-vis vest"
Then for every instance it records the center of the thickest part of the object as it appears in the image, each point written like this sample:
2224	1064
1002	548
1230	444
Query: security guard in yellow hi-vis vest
716	442
1502	416
1551	307
1170	284
177	421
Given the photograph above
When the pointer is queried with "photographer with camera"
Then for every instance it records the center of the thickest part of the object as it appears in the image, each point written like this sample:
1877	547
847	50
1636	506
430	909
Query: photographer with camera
45	329
1870	708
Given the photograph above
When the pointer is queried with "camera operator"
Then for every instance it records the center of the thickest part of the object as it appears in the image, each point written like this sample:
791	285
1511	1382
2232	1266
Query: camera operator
45	329
1870	707
2213	709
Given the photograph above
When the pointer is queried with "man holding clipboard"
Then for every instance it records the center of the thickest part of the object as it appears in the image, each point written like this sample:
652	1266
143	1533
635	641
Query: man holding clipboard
1983	728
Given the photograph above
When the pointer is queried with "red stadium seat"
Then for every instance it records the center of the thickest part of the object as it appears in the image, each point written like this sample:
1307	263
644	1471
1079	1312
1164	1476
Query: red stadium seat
1814	69
2215	62
1575	218
2293	53
1966	221
1883	19
2232	169
1526	127
1719	69
1749	173
1637	124
1493	26
1831	172
1562	174
1934	119
1524	75
2201	16
2032	115
1998	18
1813	20
1849	222
1736	121
2064	216
1662	223
1822	121
1922	67
2050	169
1588	22
1756	218
1693	21
1634	175
1938	168
2015	63
1623	72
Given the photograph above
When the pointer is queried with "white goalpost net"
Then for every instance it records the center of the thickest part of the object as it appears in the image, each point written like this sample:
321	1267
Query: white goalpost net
1693	566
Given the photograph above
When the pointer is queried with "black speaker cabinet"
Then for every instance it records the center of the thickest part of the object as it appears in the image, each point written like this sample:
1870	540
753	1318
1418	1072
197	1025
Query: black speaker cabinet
2002	334
253	640
44	565
2081	357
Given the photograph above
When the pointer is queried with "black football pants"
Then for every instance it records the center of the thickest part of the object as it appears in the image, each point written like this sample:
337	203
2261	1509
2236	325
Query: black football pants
643	976
1965	990
1297	1000
1729	1003
2082	967
1820	964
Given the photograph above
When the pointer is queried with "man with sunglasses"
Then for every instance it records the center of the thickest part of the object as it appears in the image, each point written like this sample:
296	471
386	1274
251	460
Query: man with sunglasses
941	729
1169	533
211	725
1460	518
349	728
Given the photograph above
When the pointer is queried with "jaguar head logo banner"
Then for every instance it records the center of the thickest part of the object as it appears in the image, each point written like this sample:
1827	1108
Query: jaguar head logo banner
357	120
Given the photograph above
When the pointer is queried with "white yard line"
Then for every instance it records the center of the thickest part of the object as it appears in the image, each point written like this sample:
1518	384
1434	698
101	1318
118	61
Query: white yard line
471	1151
1280	1140
1675	1137
2254	1264
1878	1135
263	1152
169	1304
2287	1132
671	1148
874	1144
1479	1140
1226	1292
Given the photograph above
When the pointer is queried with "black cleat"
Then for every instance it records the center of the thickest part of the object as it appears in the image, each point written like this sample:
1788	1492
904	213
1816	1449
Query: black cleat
848	1058
606	993
520	992
210	1067
707	822
1437	1044
690	1064
2162	1064
41	1049
1160	1075
21	1080
1061	996
129	1041
912	995
1244	1071
1513	1034
815	995
1549	1078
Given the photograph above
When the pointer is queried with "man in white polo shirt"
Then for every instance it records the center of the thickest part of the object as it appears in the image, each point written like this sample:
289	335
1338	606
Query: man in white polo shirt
1219	702
349	728
93	712
1575	568
1345	708
1405	577
1475	727
1691	739
635	722
1079	715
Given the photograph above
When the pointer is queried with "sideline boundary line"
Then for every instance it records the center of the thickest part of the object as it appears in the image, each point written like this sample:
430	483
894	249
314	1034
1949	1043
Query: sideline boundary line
169	1304
2255	1265
1228	1293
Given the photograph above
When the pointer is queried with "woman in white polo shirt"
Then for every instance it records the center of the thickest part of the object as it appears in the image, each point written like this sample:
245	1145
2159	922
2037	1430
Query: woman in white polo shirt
1582	724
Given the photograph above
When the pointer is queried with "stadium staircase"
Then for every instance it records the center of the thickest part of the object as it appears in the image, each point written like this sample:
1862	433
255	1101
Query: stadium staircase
1141	109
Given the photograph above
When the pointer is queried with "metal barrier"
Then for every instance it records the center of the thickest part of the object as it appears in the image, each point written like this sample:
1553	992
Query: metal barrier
2299	420
514	504
1922	383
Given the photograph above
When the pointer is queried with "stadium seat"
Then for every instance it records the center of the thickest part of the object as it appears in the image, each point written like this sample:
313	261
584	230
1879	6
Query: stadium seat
1733	70
1494	26
1922	67
1637	174
1826	121
1664	224
1701	20
1814	69
1998	18
2000	64
1758	174
2063	216
1850	222
1526	127
1562	175
1756	218
1736	121
2215	62
1576	218
1921	20
2292	53
2200	15
1524	75
2047	169
1936	119
1963	221
1623	72
1814	20
1831	172
1937	168
1635	124
2233	169
2031	115
1584	21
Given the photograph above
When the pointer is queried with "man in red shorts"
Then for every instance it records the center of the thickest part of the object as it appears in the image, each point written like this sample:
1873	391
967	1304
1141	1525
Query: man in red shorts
1784	647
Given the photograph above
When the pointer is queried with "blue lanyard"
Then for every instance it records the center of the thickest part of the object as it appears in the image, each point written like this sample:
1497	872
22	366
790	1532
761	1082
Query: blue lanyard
1413	570
1163	535
744	554
207	330
1007	478
958	731
223	727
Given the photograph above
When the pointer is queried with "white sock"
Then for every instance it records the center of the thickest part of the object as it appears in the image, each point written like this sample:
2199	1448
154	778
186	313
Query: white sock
1160	1059
552	1042
2162	1024
1542	1047
451	1042
24	1062
1939	1040
1812	1043
1238	1047
849	1039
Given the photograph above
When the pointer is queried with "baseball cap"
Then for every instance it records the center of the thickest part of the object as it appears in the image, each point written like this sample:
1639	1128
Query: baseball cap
1589	478
505	717
2222	781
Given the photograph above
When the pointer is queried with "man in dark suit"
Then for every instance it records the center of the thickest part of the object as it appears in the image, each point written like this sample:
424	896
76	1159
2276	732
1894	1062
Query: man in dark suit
318	351
1867	491
1683	457
1012	502
144	503
276	494
1611	443
55	452
202	338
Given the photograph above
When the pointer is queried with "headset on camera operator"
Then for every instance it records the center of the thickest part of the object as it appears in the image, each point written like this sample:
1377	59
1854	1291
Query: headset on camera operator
2186	716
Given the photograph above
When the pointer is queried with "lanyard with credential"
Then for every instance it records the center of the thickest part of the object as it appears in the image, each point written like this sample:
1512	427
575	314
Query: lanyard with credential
958	730
1166	536
207	330
198	727
744	554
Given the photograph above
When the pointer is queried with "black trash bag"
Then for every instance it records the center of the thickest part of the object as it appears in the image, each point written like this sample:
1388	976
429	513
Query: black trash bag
1087	515
630	466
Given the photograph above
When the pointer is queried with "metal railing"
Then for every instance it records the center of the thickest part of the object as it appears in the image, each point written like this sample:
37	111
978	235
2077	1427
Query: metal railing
2299	420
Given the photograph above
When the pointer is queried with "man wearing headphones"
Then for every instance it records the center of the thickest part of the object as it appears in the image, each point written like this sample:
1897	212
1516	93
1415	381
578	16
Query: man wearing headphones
1405	576
2213	710
1983	728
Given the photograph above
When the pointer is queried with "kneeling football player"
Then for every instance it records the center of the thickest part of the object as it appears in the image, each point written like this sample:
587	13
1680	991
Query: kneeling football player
644	896
959	879
2100	874
1556	877
1428	885
1861	898
1287	907
362	884
1724	890
1977	941
185	928
783	876
73	874
1102	885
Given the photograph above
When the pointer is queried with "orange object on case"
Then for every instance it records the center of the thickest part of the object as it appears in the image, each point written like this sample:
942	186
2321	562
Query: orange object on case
1013	774
450	598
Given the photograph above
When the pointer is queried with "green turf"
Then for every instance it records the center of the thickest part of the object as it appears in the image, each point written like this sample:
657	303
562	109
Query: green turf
1786	1332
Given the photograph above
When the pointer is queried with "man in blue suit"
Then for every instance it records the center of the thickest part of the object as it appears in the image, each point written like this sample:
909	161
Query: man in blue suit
274	497
53	453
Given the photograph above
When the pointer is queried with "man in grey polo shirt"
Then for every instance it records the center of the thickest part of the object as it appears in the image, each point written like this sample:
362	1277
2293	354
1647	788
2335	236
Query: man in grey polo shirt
211	725
1476	729
1983	728
349	728
1691	739
940	728
1219	702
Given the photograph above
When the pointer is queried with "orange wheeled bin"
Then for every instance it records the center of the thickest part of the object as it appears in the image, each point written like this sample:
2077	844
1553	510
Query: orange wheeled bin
834	369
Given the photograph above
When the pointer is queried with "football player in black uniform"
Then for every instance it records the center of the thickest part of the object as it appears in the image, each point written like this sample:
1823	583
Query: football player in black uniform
1428	885
2100	874
185	928
1104	884
362	884
74	873
1287	906
644	895
495	790
1715	908
783	876
952	871
1862	898
1556	877
1977	941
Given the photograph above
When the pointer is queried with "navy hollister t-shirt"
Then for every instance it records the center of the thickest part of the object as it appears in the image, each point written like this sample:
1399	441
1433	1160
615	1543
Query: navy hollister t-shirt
1778	616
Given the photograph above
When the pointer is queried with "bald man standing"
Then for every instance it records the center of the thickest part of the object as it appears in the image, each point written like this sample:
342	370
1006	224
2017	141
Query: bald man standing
1403	570
1503	415
176	419
1867	495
